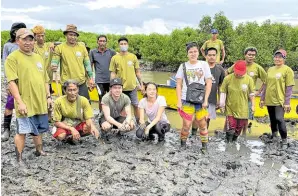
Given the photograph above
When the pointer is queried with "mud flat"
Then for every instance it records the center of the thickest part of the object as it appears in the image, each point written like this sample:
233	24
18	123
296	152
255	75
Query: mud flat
126	166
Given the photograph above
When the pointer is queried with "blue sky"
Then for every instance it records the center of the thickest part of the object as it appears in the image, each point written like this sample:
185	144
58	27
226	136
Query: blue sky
141	16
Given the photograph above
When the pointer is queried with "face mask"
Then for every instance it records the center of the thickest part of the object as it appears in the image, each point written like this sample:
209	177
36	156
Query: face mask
123	48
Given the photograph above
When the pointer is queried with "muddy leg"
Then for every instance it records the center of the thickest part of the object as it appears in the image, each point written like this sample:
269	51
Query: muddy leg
185	132
19	140
38	145
203	134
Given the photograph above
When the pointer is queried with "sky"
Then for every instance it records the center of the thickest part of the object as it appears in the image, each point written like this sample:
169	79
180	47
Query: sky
141	16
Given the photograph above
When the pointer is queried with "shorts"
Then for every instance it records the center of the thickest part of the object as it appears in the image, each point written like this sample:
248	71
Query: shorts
212	111
133	96
33	125
104	88
196	109
9	102
236	124
80	128
119	119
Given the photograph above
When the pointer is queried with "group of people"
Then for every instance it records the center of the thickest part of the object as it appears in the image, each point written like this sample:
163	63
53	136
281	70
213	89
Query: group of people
202	88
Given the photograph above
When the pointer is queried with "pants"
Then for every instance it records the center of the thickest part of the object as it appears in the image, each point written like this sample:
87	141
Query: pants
9	102
160	129
104	88
277	121
119	119
236	125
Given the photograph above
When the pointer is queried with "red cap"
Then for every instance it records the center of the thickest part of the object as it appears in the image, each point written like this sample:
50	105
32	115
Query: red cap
282	52
240	67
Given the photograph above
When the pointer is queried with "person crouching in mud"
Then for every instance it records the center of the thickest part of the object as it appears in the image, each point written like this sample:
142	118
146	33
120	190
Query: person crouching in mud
115	105
194	82
73	115
277	94
237	89
154	106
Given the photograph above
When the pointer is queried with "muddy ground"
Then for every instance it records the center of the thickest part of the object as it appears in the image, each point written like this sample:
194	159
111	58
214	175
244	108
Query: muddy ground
128	166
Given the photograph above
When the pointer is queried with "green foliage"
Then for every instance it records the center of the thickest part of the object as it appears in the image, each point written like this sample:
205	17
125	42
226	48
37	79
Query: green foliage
168	51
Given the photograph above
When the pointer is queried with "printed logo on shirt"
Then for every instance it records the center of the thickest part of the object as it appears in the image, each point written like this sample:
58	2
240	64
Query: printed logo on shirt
278	75
39	66
251	74
129	63
46	54
78	54
194	75
213	79
244	87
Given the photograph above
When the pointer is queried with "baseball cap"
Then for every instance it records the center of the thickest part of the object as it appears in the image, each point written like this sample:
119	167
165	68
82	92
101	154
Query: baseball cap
214	31
240	67
115	81
24	32
282	52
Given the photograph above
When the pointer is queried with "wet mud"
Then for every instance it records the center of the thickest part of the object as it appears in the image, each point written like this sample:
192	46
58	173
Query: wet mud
127	166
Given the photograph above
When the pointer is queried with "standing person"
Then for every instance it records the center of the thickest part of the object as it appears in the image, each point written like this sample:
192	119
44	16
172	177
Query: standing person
74	61
196	73
236	90
28	83
100	60
217	44
8	48
277	94
218	75
44	49
125	65
73	115
255	71
116	108
153	105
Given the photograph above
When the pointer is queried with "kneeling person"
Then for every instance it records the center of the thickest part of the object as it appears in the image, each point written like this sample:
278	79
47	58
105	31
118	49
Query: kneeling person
73	114
115	105
154	107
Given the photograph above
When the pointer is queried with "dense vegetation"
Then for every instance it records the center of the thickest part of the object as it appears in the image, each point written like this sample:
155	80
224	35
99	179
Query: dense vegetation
168	51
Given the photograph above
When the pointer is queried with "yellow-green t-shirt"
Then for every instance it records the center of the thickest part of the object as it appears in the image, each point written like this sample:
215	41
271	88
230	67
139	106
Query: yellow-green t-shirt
65	111
46	54
71	60
254	70
124	66
278	78
237	90
217	44
31	76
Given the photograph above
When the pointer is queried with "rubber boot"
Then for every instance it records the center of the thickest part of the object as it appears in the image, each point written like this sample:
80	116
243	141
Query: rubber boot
6	131
274	135
204	147
229	136
234	138
284	144
183	143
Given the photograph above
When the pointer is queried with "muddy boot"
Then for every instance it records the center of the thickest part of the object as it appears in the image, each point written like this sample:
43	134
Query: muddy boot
234	138
6	131
204	147
183	143
284	144
229	136
273	135
21	163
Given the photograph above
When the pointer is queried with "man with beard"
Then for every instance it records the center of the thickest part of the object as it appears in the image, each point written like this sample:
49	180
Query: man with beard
100	59
74	61
8	48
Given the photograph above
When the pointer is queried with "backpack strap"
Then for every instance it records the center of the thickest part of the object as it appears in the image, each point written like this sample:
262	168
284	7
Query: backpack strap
185	76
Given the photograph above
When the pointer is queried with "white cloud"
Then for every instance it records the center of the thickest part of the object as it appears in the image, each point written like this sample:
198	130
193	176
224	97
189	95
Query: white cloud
156	26
209	2
153	6
25	10
128	4
285	18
